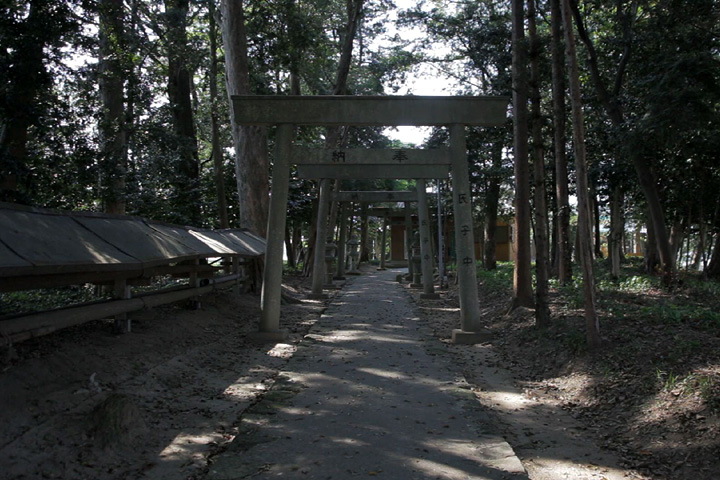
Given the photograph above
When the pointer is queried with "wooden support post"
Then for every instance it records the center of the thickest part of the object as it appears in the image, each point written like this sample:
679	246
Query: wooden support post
194	282
236	271
272	274
123	324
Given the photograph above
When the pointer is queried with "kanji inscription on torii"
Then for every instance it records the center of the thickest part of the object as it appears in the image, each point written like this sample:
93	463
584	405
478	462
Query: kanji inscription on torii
338	156
400	156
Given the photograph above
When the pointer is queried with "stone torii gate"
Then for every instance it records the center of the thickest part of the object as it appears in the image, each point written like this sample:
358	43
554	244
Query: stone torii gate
418	196
454	112
379	196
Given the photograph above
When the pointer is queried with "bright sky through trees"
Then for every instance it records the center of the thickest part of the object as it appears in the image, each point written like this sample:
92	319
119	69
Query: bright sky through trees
422	80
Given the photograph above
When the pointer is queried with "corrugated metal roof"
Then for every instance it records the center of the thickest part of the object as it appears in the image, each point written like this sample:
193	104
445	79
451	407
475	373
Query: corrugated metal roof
39	242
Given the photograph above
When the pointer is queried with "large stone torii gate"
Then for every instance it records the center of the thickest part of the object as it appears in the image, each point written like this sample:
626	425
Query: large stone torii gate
288	111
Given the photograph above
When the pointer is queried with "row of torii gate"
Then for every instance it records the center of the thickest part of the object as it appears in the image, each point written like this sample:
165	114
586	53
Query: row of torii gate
287	112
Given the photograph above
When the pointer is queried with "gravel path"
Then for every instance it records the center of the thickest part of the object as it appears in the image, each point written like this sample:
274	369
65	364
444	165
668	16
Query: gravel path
368	393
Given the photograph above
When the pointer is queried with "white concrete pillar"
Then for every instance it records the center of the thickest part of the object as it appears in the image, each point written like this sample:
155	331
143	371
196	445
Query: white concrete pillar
318	278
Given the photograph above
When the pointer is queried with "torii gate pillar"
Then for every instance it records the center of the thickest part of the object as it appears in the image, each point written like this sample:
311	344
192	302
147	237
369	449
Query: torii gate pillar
471	331
426	261
272	274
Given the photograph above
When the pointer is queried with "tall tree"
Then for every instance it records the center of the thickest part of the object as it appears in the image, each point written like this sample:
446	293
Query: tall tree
217	153
617	231
523	293
542	309
187	174
564	245
251	155
592	325
30	31
113	50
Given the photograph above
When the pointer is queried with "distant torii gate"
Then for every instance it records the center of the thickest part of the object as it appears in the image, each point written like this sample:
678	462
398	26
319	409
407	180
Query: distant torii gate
454	112
378	196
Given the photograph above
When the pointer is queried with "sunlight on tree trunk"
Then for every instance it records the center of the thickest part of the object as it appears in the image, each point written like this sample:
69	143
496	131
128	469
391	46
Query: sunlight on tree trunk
217	152
592	325
112	125
542	309
523	293
251	154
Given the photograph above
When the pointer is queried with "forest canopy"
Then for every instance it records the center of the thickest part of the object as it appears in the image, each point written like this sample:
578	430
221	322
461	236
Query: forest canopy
122	106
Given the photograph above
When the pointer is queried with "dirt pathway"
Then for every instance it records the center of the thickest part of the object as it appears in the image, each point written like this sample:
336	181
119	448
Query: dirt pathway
368	394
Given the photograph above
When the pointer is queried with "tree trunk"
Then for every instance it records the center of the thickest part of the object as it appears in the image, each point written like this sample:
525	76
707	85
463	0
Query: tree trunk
522	278
713	268
310	255
617	231
542	309
112	125
595	205
217	151
592	325
677	234
650	252
289	250
251	154
187	175
25	76
492	201
701	244
564	244
354	14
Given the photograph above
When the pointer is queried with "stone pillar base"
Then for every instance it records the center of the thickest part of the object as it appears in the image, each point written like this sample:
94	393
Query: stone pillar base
461	337
430	296
276	336
353	273
416	285
338	277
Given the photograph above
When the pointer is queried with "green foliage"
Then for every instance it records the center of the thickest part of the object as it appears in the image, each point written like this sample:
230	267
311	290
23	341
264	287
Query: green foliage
500	278
28	301
570	293
575	341
667	380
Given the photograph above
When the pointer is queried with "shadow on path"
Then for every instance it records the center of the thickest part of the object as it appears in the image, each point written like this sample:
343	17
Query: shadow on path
366	395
